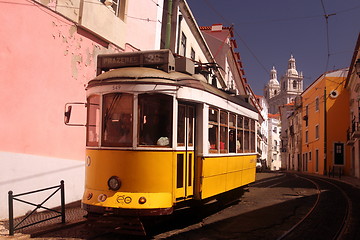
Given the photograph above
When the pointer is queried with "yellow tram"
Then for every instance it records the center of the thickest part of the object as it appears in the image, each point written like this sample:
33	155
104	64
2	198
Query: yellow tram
157	136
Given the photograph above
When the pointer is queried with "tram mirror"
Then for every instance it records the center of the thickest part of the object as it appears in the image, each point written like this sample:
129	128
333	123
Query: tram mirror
75	112
67	115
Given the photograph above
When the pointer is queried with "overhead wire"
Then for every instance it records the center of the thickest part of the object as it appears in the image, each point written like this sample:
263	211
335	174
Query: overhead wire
327	35
237	34
325	14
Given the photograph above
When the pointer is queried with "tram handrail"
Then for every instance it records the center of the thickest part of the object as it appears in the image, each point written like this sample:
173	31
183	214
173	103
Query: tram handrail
13	197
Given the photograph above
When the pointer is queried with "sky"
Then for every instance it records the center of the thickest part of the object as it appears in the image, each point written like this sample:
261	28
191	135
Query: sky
268	32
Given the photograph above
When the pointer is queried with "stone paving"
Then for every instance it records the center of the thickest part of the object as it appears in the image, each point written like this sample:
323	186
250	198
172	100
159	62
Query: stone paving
75	214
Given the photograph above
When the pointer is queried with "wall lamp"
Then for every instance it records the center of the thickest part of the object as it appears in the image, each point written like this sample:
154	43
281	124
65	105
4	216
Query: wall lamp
357	67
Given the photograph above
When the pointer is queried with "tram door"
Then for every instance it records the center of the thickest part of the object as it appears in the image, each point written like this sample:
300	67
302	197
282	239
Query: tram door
185	154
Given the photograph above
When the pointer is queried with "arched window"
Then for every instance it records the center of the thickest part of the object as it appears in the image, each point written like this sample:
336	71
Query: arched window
294	84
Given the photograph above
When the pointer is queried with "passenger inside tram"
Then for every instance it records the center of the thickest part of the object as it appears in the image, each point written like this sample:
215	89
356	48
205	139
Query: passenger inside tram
155	120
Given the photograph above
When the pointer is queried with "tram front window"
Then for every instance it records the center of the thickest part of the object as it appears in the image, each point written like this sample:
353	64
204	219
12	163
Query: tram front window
92	136
117	120
155	120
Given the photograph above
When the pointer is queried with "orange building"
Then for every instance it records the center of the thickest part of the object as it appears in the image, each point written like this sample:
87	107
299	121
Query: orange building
324	133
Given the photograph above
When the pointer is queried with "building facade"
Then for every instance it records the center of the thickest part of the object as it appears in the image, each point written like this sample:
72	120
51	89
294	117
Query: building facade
353	133
325	124
292	150
263	131
222	44
274	142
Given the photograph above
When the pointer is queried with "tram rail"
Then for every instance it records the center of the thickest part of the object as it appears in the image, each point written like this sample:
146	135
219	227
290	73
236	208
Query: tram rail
318	212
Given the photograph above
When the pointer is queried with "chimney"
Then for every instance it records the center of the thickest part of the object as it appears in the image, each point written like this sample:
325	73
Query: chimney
216	27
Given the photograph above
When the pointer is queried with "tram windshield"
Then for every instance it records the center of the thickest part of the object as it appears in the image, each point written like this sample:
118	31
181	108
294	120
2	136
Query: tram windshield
154	124
155	120
117	120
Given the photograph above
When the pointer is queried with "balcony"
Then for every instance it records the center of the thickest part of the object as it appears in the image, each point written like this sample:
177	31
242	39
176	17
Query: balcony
350	140
355	130
353	133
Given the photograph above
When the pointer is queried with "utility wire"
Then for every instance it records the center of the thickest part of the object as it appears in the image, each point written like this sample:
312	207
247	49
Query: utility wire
237	34
327	34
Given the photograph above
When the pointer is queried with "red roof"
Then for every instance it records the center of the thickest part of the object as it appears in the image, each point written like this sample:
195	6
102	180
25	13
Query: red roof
277	115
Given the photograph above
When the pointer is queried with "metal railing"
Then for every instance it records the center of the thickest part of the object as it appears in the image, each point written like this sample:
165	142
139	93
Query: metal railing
13	197
335	171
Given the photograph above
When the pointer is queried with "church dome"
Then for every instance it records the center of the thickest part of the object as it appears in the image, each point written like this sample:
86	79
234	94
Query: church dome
274	82
273	77
292	67
292	72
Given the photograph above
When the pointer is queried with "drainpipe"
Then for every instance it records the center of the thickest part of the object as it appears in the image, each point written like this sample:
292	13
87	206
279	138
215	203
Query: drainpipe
325	134
168	25
81	10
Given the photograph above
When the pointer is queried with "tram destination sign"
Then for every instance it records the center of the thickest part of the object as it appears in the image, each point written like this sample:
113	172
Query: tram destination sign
162	59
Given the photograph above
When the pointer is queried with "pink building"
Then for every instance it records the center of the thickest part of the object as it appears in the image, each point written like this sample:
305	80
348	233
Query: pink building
48	54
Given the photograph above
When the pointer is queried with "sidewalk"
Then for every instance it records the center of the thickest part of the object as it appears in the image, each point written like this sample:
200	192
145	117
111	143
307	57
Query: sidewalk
346	179
73	213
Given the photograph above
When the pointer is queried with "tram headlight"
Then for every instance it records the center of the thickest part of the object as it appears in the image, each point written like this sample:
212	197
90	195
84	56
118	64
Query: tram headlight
142	200
114	183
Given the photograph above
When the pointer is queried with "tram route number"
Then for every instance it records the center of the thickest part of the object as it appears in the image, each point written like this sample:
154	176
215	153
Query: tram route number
153	58
124	199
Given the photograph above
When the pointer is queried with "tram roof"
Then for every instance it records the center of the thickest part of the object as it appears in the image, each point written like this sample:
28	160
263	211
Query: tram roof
151	75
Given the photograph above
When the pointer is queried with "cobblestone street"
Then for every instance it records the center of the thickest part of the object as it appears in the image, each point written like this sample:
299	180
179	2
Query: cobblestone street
256	198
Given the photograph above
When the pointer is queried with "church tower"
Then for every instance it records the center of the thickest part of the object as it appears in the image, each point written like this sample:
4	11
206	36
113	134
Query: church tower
291	82
273	87
291	85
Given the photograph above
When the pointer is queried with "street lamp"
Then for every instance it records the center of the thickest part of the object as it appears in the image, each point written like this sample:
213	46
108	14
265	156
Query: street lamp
357	67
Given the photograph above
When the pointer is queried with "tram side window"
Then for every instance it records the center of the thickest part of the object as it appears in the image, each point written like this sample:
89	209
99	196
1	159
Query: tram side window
246	134
223	132
93	113
191	120
232	133
252	135
213	130
117	120
240	134
181	125
155	120
185	125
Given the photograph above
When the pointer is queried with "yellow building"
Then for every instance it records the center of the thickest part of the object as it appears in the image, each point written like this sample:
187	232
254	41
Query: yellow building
324	133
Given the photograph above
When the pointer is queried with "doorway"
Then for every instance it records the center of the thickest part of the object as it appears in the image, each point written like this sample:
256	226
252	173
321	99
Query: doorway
185	154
